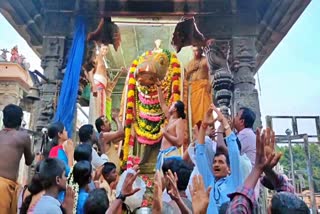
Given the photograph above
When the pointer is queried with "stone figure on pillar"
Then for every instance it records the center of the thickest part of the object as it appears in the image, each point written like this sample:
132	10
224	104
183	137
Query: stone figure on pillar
15	55
4	54
199	85
157	48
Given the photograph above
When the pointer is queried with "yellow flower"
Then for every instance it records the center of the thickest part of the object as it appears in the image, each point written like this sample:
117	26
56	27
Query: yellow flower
132	81
129	116
130	93
176	97
146	134
130	104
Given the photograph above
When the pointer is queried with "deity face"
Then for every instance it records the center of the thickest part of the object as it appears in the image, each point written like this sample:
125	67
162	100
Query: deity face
197	52
104	50
151	68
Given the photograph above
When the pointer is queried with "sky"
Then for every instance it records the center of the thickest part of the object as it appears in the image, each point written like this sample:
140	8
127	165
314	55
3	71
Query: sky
289	79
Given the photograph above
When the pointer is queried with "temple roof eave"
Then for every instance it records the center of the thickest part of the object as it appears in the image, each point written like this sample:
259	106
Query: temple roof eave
275	20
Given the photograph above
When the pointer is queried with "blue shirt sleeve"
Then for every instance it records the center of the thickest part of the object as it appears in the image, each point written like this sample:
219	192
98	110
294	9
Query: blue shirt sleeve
82	198
62	156
234	156
202	164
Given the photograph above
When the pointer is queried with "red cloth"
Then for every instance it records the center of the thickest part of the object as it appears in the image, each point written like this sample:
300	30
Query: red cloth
54	151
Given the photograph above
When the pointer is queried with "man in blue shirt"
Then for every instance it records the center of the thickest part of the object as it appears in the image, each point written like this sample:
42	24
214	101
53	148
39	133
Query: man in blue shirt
225	177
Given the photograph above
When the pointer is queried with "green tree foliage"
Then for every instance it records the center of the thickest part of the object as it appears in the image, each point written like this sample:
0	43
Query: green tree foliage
300	161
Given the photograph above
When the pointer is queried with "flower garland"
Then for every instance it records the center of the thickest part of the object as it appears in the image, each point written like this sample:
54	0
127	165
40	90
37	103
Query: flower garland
75	188
148	115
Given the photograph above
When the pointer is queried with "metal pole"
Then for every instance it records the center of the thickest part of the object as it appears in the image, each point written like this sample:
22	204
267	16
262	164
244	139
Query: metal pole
288	133
310	174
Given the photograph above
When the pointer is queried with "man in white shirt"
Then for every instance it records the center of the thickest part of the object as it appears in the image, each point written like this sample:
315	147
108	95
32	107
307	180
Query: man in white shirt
243	123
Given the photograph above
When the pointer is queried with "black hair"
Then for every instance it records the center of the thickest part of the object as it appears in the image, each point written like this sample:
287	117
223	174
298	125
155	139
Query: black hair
287	203
49	169
54	130
97	202
108	167
182	169
12	116
83	152
224	207
222	151
81	173
248	116
180	109
34	188
99	122
85	132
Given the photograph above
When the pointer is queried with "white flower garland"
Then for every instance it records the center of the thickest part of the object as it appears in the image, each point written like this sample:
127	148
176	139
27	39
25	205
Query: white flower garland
75	188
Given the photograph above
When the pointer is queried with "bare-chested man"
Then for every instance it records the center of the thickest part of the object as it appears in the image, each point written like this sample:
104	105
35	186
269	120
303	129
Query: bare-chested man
108	138
101	86
173	133
197	75
13	143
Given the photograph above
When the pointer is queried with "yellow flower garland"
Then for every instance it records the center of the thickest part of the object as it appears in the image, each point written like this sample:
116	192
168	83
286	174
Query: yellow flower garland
167	86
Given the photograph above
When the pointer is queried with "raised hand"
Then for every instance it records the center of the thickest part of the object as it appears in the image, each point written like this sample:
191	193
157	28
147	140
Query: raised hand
208	118
265	155
220	116
269	149
157	193
68	147
172	188
200	196
127	189
68	202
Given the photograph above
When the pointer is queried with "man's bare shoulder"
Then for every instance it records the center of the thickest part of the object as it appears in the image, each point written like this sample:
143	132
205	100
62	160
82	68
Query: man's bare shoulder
23	135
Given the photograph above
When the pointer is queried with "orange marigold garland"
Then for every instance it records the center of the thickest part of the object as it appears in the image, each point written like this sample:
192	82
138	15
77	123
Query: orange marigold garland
148	117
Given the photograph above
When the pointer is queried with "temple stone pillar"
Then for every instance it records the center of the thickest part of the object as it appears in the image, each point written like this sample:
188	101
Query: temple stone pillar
51	62
216	53
244	60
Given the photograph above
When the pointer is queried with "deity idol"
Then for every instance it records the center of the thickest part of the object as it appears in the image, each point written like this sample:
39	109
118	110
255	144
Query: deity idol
144	117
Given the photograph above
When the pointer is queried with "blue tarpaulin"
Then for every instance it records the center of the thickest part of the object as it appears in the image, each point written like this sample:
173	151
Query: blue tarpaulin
69	90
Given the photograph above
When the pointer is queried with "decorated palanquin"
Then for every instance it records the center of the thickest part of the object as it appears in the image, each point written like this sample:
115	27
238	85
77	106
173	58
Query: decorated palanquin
143	115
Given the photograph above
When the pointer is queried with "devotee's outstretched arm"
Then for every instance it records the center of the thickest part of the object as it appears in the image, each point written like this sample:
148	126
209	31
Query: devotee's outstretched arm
233	150
126	191
163	105
243	199
200	196
201	157
174	193
113	135
157	194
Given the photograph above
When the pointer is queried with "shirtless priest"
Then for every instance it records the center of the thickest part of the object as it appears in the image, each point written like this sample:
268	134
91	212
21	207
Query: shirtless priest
14	143
173	133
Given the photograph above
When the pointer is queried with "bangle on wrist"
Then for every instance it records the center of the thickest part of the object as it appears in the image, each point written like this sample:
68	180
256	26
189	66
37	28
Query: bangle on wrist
121	197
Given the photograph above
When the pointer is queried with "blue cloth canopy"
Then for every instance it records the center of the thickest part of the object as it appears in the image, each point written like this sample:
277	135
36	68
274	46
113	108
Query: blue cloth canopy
69	91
